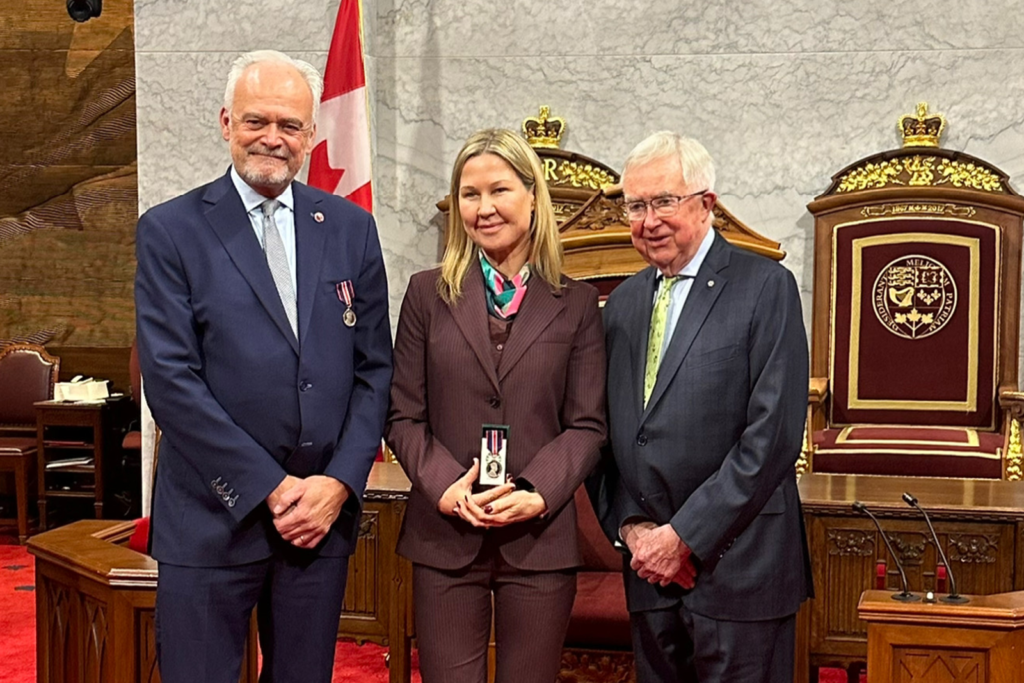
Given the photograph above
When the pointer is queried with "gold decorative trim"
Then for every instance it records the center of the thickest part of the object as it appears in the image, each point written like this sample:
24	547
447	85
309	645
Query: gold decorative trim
921	171
1014	453
920	129
970	404
969	175
803	463
971	434
903	451
582	175
872	176
955	210
544	130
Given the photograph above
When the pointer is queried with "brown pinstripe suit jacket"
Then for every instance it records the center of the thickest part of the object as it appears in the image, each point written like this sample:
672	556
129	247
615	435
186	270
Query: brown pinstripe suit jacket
549	387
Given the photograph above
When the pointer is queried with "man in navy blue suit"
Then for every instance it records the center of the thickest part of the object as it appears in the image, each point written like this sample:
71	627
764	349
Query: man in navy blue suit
265	346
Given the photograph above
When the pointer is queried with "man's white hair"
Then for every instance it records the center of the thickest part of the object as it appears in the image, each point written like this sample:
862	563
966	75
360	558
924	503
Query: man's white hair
309	74
698	168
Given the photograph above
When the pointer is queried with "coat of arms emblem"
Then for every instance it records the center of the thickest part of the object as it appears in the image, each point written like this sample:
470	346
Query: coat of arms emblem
914	296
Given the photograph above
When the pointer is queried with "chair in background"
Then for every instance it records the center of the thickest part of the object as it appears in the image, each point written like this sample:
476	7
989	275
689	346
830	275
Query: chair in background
27	374
916	315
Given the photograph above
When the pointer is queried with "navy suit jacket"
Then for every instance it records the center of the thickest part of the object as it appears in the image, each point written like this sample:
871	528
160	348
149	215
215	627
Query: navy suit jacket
713	452
240	402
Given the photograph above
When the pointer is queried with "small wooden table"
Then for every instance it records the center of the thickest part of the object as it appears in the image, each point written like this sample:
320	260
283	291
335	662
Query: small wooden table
93	425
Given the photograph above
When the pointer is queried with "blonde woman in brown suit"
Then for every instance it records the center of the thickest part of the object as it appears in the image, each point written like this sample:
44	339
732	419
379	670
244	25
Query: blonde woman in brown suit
496	336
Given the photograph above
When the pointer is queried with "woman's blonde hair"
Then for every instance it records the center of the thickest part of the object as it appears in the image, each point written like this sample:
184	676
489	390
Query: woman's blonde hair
460	253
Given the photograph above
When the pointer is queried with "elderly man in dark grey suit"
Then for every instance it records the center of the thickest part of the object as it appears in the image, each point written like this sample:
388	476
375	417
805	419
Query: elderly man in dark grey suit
707	387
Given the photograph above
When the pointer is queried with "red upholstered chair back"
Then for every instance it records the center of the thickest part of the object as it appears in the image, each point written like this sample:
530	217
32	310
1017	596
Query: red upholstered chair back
27	375
915	305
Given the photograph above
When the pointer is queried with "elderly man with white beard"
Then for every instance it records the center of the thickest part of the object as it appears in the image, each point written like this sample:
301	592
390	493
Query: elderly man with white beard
265	345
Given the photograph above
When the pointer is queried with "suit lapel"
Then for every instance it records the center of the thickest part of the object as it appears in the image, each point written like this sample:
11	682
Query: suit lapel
470	314
540	306
227	217
639	330
309	250
704	292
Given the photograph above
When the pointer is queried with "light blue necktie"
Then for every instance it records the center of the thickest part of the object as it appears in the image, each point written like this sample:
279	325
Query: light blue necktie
273	247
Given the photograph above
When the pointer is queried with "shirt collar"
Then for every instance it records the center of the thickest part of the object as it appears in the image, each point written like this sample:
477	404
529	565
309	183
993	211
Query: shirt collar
252	199
691	268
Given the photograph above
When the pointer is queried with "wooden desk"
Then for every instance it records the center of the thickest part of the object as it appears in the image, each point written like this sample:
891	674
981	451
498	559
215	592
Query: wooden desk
981	641
979	522
95	603
378	598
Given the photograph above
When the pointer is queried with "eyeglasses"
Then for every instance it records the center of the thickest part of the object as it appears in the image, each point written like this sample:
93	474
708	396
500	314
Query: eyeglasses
663	206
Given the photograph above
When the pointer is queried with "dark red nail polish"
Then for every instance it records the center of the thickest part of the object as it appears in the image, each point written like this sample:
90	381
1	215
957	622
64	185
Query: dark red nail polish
488	509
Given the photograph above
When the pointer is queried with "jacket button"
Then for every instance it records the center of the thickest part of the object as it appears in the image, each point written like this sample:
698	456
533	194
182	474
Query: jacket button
494	402
641	440
305	386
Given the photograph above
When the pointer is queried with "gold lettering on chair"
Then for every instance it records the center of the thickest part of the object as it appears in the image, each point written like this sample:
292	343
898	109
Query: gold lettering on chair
926	208
550	165
914	296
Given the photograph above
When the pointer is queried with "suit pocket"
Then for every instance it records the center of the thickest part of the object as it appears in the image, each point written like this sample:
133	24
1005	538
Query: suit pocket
716	355
776	505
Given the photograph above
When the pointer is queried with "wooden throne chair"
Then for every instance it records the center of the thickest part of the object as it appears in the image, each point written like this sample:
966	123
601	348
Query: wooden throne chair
916	315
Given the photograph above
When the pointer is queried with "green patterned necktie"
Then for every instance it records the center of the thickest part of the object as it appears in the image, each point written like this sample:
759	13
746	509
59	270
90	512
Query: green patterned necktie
657	335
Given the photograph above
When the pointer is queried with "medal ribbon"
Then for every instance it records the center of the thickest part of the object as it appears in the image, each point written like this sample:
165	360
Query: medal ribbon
345	292
495	440
504	296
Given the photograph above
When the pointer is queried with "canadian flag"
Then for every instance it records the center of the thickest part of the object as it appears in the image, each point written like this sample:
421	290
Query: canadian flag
340	162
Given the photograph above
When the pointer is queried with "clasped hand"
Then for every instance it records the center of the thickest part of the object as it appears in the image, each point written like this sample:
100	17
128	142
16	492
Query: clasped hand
499	506
659	555
305	509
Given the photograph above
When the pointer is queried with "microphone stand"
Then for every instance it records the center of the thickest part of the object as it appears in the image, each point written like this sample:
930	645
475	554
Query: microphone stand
905	595
954	596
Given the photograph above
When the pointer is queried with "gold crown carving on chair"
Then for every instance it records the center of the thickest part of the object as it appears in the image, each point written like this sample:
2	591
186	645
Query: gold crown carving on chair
916	315
587	198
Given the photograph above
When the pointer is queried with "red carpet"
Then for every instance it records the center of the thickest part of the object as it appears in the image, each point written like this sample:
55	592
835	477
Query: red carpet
17	632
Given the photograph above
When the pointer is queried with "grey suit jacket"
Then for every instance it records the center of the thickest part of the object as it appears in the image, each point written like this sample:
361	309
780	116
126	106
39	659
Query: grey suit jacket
714	450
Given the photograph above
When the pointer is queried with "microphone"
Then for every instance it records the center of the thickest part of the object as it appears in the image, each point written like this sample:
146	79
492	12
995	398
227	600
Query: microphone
954	597
905	595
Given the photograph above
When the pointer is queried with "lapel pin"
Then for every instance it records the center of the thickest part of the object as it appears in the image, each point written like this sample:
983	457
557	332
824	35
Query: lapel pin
318	217
711	283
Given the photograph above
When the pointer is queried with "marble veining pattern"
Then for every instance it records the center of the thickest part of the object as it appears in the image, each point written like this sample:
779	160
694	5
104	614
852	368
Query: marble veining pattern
783	95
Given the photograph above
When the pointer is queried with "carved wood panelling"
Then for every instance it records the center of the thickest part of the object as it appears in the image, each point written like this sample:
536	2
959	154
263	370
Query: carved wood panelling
145	647
844	542
973	548
584	666
361	594
909	547
915	665
94	642
987	557
58	651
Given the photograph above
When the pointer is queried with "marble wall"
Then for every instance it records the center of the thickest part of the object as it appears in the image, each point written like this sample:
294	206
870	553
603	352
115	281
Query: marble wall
782	94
